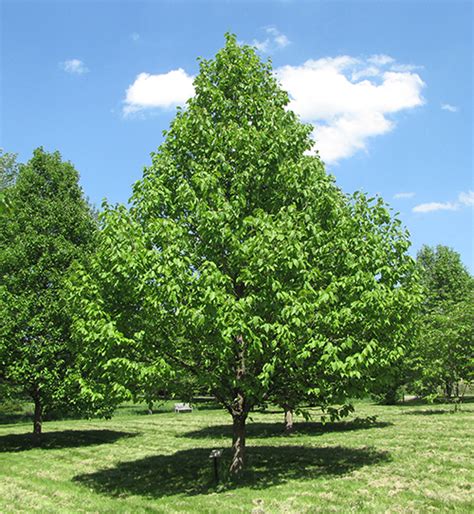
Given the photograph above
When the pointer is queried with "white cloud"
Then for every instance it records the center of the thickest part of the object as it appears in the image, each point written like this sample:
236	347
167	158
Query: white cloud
435	206
261	46
74	66
349	100
274	40
135	36
163	91
380	59
404	195
405	67
279	39
370	71
345	135
449	107
173	88
464	200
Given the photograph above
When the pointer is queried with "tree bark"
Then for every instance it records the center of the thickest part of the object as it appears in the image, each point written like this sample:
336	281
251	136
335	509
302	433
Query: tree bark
238	444
38	417
288	419
239	413
449	389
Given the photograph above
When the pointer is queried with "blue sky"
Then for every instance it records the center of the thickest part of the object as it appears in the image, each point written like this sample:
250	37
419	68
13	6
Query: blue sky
388	86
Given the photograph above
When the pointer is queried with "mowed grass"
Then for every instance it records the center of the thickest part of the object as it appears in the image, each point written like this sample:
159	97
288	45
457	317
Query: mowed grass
412	458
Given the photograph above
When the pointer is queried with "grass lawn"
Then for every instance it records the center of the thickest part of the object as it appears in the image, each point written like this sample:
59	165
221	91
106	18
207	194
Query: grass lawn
413	458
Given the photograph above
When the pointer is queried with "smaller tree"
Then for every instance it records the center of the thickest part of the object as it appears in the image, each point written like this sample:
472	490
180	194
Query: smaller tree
446	348
387	389
302	387
47	226
443	276
443	356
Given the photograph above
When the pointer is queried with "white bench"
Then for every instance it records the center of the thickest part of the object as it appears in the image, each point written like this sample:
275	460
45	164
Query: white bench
182	407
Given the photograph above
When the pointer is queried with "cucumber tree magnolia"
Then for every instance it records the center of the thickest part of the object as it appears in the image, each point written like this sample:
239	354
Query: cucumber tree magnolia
46	226
244	257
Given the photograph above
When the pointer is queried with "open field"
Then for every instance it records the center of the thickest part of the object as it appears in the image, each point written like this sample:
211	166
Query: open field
412	458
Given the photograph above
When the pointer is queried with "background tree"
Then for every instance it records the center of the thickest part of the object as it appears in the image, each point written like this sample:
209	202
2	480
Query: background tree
8	172
297	385
239	255
443	356
8	169
388	388
47	226
443	276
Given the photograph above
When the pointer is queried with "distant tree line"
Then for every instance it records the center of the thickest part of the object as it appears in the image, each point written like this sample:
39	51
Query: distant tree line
238	269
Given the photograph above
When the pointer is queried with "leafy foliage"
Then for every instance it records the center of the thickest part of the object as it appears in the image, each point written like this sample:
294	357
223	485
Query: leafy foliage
8	169
443	276
47	226
240	262
444	352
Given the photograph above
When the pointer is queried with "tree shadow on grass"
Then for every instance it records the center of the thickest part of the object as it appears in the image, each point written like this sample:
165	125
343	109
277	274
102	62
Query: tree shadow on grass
10	418
262	430
189	471
60	439
419	402
431	412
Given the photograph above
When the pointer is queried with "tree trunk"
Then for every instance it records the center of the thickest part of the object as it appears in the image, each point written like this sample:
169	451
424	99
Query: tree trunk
288	419
38	417
238	443
449	389
390	396
239	412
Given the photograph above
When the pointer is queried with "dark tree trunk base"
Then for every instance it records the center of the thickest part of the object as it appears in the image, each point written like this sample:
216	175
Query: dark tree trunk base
38	419
238	444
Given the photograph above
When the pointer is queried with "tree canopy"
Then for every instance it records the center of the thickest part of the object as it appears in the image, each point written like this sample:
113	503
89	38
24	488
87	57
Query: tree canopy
241	262
444	356
47	226
443	275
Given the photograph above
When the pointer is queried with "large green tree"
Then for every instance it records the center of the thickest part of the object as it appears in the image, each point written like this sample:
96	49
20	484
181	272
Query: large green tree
239	258
47	226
